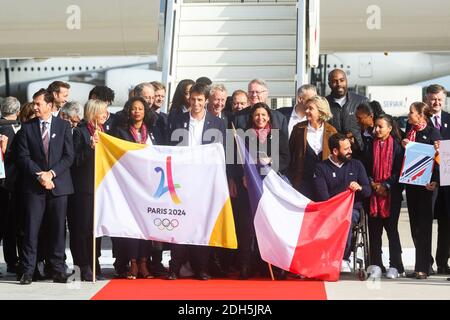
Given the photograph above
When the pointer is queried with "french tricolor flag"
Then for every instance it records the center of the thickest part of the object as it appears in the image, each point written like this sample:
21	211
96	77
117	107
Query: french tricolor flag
294	233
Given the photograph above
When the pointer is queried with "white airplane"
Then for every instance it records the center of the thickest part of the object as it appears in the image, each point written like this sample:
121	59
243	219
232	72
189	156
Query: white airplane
25	75
394	68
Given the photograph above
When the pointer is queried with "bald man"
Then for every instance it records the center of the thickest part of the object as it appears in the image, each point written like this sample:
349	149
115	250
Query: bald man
343	105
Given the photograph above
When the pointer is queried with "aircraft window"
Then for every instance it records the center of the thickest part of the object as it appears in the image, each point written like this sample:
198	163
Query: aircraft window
45	69
342	66
348	67
38	68
80	68
32	69
73	68
87	68
53	69
25	69
19	69
328	65
12	69
335	66
67	68
93	67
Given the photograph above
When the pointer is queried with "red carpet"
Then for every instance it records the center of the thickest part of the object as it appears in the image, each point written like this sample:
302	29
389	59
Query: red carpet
217	289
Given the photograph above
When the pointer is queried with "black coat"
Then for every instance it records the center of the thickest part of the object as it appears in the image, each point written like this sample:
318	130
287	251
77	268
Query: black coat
125	134
82	169
278	120
31	156
344	118
10	183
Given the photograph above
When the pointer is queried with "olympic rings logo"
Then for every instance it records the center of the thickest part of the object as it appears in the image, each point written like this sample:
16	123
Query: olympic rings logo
166	224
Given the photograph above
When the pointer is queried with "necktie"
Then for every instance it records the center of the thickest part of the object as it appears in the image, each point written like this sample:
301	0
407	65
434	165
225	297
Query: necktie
436	123
45	138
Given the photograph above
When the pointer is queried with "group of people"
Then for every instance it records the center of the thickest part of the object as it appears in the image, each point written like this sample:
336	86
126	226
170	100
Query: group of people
321	146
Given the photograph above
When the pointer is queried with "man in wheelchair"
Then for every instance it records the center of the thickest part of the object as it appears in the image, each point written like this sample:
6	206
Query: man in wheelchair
335	175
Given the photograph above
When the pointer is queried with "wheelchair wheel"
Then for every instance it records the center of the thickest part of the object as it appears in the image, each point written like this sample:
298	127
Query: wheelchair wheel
365	239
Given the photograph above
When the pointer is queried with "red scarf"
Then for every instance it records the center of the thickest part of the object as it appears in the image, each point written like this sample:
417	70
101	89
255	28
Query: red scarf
381	171
263	133
411	136
91	128
144	134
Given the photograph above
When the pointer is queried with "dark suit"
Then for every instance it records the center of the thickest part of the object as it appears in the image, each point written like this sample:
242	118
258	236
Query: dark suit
442	207
109	124
198	255
162	124
39	202
286	112
420	208
10	200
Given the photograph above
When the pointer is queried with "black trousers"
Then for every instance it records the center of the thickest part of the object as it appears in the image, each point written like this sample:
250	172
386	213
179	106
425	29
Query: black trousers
245	230
390	224
442	213
38	206
127	249
419	201
198	256
11	217
156	252
80	214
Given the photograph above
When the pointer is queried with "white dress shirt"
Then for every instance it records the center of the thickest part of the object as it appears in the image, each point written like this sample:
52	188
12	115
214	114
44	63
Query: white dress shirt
196	130
439	119
294	120
49	125
315	138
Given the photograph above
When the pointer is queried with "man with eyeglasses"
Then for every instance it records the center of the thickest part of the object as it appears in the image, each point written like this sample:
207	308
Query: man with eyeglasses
258	92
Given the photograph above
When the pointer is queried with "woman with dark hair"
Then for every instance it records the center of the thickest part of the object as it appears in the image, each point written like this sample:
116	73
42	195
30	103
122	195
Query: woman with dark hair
385	158
180	100
26	112
260	123
139	128
419	198
376	108
262	147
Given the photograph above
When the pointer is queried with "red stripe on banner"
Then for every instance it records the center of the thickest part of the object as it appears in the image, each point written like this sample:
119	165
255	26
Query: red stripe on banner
322	238
215	289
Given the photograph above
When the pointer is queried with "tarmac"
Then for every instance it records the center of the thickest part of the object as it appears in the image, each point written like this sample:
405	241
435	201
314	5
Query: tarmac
349	287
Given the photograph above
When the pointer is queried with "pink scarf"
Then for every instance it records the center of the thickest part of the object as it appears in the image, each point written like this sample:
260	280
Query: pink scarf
91	128
411	136
263	133
381	171
144	134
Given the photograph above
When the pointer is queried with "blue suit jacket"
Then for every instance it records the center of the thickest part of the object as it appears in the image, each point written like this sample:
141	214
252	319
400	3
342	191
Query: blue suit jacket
31	156
182	122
